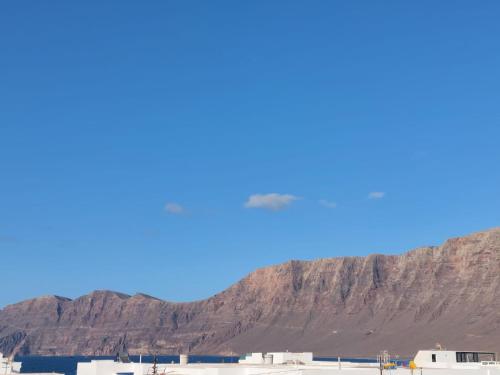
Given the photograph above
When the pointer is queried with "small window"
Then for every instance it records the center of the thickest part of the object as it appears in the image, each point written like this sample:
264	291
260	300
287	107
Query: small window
433	358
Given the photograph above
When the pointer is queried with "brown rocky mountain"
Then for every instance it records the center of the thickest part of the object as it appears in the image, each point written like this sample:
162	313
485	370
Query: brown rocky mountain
341	306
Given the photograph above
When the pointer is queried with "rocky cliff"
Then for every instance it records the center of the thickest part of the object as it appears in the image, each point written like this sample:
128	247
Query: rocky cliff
341	306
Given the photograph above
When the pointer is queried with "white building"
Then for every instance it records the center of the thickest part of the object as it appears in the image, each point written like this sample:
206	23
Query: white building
449	359
428	362
277	358
7	366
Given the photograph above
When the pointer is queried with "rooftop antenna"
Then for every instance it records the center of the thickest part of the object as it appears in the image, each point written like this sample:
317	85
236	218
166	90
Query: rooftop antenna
155	362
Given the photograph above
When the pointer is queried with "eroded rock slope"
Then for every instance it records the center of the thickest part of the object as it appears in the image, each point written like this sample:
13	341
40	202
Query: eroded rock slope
341	306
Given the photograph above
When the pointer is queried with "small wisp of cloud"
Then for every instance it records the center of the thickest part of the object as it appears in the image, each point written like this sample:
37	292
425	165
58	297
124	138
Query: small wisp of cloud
327	204
174	208
376	195
271	201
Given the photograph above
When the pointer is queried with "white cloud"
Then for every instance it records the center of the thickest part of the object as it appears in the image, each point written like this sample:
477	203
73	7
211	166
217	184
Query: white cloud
328	204
272	201
174	208
376	195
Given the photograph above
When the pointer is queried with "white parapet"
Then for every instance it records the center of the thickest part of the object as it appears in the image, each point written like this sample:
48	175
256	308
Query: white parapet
277	358
252	359
289	357
289	367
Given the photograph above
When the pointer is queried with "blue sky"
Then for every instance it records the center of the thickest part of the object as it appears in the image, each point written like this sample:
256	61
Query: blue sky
140	142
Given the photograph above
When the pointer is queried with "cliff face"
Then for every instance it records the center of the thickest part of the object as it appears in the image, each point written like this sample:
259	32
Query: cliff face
341	306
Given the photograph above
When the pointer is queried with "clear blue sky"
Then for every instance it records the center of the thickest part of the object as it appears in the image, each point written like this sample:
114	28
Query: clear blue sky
135	137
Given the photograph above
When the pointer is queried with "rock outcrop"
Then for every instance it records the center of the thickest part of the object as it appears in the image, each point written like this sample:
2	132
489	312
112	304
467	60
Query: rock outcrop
341	306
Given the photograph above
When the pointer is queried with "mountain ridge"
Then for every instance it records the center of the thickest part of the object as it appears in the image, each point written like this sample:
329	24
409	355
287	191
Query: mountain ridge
332	306
416	249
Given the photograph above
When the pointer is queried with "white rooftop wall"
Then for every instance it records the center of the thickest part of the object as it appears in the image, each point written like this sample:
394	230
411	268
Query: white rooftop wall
252	358
288	357
240	369
278	358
